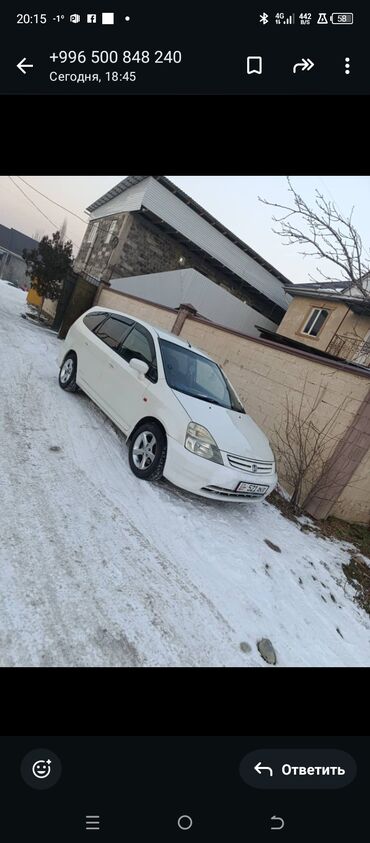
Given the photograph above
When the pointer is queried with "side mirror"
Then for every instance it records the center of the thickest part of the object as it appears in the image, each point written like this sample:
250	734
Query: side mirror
139	365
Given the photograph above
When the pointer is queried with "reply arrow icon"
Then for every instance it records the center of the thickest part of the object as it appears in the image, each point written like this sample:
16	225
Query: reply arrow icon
305	64
258	768
21	65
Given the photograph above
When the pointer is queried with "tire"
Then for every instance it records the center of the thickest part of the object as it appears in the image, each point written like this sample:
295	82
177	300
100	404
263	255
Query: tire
149	465
67	373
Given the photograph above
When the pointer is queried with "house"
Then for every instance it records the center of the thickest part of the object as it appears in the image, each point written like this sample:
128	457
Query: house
12	265
327	322
146	226
337	324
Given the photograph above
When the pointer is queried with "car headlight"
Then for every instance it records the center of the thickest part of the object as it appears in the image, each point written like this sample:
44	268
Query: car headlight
199	441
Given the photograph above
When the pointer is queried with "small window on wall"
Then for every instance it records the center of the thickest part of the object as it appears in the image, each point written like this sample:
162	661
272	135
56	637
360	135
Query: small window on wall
92	232
110	230
315	322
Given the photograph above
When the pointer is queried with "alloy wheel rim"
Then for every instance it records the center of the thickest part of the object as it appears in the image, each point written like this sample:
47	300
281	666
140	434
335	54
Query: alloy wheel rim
67	370
143	452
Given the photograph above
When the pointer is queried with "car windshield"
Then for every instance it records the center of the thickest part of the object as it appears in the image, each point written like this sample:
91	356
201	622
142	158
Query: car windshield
191	373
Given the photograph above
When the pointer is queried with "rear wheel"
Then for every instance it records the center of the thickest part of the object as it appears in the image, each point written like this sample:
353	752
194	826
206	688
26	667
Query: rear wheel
147	451
67	374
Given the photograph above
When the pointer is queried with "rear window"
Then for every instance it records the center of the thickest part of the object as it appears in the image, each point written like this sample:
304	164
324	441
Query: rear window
114	330
92	320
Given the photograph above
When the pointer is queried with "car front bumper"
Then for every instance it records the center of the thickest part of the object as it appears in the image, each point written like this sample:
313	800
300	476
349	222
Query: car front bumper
210	479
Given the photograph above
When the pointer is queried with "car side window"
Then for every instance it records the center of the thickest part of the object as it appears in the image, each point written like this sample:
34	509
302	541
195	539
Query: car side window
139	344
92	320
113	331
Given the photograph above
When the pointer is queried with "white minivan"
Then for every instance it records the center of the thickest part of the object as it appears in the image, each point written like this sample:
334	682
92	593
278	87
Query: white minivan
181	416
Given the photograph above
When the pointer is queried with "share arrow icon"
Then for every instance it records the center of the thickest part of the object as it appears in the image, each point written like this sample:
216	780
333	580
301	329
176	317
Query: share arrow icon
305	64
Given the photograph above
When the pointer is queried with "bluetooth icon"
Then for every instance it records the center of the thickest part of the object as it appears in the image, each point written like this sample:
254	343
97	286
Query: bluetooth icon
264	18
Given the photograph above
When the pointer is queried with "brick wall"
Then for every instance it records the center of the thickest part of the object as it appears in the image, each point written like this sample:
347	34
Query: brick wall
94	258
159	317
353	501
343	490
266	377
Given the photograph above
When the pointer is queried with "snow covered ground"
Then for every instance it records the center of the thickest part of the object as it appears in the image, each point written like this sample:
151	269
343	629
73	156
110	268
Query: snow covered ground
100	568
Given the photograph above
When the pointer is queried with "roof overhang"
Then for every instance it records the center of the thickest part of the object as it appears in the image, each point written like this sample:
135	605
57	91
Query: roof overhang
130	181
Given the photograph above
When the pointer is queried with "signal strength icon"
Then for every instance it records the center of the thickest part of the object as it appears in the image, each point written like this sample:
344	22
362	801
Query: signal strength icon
290	19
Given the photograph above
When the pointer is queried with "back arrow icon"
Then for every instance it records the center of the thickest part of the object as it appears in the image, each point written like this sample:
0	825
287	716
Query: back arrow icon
277	827
258	768
21	65
305	64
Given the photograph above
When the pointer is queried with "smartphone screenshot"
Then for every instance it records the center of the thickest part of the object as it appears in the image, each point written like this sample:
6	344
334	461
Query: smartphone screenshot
184	418
183	788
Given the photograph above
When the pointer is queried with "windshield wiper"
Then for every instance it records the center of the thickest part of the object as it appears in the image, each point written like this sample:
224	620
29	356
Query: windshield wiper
210	400
201	397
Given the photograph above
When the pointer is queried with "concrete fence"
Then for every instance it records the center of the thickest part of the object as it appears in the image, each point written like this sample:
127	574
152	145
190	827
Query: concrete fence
268	377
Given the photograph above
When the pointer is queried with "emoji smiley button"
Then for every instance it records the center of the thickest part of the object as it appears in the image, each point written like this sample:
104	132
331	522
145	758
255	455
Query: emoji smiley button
41	769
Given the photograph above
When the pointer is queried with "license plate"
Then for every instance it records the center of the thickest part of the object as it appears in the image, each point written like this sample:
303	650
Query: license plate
251	487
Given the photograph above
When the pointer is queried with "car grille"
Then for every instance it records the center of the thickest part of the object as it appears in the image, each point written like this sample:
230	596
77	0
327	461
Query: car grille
253	466
231	493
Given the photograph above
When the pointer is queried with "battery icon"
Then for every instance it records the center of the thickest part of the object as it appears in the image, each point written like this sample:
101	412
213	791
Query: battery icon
342	17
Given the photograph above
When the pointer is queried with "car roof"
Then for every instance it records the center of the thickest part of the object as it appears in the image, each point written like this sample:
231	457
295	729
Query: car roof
166	335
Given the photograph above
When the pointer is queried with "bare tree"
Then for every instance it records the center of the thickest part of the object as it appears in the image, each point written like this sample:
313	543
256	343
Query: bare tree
302	445
328	234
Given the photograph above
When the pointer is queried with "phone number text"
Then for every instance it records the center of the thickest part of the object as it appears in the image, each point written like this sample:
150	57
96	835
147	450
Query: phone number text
114	57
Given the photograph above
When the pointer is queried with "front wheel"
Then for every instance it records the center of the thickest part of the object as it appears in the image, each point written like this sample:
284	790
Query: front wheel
67	374
147	451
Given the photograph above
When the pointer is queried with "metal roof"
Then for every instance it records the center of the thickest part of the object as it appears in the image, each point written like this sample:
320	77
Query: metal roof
323	285
169	185
15	241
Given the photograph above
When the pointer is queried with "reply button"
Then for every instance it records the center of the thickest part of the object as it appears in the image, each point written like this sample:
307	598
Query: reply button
298	769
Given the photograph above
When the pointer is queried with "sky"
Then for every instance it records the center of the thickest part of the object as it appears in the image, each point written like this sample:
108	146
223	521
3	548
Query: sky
233	200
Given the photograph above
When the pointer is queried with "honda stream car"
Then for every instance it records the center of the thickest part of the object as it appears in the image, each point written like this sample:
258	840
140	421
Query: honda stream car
182	418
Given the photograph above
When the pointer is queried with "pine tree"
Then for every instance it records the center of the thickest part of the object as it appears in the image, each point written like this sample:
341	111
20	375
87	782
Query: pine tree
48	266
